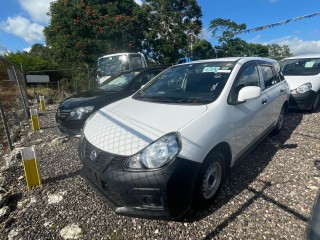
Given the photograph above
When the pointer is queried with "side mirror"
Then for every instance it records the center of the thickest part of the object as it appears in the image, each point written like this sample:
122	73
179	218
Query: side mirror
249	92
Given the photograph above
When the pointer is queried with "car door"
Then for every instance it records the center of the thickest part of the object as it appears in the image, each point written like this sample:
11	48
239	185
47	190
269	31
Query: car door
249	116
273	91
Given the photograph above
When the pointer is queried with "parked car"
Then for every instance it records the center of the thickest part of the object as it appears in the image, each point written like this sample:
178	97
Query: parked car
169	146
303	75
73	111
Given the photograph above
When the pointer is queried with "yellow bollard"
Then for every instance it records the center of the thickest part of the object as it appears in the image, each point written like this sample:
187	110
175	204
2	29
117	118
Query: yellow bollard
34	119
30	165
42	104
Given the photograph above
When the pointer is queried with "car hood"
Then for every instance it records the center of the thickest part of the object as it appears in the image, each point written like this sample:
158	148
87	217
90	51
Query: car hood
297	81
129	125
94	97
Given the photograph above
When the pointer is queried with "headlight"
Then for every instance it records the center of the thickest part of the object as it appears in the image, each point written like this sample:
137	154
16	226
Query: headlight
78	113
157	154
303	88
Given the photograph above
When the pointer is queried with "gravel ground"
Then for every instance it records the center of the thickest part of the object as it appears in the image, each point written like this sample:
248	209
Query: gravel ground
269	195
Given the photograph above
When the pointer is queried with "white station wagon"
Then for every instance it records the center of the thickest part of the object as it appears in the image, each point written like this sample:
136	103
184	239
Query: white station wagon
303	76
169	146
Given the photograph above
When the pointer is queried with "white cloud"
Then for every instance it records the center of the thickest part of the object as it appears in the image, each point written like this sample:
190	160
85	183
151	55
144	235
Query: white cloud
138	1
28	49
205	34
23	28
256	39
3	50
37	9
298	46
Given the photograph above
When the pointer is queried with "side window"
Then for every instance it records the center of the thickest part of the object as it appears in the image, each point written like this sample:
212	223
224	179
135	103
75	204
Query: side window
280	76
145	78
135	61
269	76
250	77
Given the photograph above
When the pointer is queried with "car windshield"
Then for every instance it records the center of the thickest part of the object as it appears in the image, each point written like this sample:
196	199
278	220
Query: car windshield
301	67
118	83
192	83
112	65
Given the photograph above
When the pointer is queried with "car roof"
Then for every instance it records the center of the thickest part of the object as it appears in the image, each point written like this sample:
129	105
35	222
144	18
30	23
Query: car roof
303	56
233	59
118	54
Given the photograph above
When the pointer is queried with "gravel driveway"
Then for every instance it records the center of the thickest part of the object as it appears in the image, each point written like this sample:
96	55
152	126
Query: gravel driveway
269	195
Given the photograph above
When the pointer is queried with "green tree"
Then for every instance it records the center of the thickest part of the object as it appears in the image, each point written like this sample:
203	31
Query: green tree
227	29
28	62
81	31
230	45
170	25
279	52
202	49
37	59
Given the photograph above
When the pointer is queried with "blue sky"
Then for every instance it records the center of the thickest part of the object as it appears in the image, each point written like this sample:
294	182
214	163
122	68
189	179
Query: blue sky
22	22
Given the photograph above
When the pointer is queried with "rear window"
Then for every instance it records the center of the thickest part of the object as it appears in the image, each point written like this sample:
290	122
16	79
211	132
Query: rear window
301	67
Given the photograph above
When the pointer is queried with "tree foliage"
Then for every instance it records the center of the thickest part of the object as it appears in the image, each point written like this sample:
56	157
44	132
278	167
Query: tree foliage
39	58
202	49
81	31
230	45
237	47
227	28
279	52
170	25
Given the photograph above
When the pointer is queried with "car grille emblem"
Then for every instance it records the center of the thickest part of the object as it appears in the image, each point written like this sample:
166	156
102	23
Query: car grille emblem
93	155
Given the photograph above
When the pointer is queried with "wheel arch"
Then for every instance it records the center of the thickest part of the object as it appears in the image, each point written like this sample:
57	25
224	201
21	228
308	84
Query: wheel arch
225	149
286	106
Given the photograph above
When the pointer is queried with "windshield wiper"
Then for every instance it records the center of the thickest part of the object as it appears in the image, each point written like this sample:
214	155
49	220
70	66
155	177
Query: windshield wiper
175	100
157	98
195	100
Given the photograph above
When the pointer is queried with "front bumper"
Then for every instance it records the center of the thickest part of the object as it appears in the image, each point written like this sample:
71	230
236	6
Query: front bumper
302	101
161	194
71	128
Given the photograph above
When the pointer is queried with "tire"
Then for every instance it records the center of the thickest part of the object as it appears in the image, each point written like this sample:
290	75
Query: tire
211	176
316	103
280	121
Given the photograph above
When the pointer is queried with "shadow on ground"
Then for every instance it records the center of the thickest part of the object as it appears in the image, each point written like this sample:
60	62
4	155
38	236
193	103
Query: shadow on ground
246	171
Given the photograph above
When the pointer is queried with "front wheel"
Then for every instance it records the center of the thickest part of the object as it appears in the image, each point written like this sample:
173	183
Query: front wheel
316	103
280	121
211	176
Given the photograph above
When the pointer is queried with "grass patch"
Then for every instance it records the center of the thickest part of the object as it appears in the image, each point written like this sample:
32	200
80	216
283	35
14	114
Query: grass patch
50	94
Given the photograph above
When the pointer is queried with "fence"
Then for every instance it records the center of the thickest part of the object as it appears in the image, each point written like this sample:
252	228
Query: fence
15	92
62	82
14	107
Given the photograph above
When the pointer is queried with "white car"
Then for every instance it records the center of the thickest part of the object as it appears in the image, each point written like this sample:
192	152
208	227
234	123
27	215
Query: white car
303	76
169	146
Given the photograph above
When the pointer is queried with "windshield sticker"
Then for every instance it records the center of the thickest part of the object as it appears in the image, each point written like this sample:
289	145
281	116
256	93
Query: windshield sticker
224	71
214	87
309	64
211	69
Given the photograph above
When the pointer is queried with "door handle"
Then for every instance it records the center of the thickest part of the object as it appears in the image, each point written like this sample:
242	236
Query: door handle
281	90
264	101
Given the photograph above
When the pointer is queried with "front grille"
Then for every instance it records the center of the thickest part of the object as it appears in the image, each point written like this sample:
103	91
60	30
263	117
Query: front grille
103	160
63	113
94	170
